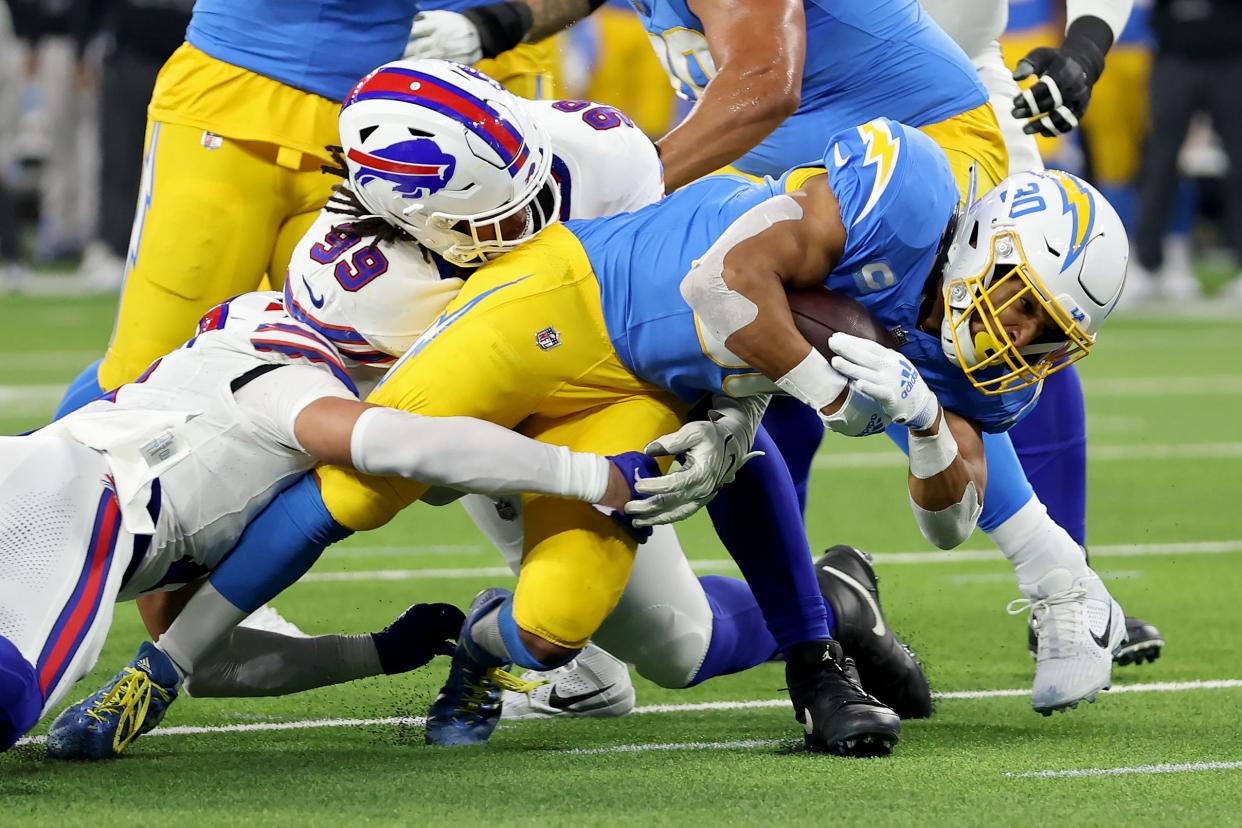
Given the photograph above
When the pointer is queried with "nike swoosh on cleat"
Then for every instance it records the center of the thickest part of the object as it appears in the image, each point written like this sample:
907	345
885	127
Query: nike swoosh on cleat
1102	640
317	301
878	628
560	702
808	725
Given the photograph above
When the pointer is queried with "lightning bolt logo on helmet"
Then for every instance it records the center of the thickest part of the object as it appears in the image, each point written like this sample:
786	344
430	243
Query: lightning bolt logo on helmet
1079	205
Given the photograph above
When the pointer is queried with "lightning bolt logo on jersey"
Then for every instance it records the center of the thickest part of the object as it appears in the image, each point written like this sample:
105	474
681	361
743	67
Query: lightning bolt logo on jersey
897	195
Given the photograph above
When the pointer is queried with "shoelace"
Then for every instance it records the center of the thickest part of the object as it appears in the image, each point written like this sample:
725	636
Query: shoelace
1040	610
130	699
477	694
507	681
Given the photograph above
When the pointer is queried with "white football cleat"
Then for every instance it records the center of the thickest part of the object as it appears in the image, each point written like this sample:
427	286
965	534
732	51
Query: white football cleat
268	619
1079	626
593	684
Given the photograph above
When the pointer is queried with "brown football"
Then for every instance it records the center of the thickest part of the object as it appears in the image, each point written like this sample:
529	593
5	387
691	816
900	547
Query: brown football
819	313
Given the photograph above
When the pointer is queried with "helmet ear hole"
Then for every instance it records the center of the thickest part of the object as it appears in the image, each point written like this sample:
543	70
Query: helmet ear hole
366	132
973	241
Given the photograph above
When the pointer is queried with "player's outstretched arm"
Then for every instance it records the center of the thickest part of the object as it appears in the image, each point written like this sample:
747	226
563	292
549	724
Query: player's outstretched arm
456	452
759	48
948	472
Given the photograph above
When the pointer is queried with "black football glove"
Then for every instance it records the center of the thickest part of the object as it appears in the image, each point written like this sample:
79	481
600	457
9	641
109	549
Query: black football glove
1053	105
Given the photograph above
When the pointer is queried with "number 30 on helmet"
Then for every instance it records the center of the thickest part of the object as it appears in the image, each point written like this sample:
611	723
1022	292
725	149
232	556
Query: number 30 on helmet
1055	238
450	156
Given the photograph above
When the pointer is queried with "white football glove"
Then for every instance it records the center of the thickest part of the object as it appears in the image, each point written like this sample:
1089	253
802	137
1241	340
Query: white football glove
446	35
886	377
860	416
712	451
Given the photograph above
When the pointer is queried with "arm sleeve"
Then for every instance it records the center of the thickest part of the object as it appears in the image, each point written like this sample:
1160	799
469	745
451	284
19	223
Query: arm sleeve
472	456
1113	12
250	662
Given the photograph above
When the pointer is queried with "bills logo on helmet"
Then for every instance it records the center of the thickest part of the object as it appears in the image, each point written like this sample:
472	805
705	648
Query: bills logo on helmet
415	168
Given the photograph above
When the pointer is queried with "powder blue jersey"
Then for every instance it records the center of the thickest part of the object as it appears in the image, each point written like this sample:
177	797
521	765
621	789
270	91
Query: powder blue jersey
897	195
863	60
319	46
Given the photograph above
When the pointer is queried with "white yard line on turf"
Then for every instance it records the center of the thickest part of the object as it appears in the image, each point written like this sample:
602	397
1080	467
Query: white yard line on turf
740	744
690	707
1190	767
883	558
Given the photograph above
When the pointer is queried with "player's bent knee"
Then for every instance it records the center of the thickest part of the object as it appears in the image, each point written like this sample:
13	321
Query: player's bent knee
666	645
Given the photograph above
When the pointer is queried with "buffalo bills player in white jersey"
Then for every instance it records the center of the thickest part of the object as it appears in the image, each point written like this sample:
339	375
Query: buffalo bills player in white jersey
148	489
600	165
374	300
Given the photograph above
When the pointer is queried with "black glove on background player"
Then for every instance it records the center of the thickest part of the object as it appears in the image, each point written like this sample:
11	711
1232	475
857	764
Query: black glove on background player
1065	75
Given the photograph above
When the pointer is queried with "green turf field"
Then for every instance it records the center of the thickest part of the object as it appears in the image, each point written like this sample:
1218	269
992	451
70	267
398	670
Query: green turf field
1166	479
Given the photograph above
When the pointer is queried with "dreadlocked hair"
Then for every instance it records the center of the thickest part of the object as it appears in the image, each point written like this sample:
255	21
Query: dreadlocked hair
345	202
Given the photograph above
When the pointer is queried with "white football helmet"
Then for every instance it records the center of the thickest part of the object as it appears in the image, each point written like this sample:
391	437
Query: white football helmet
1064	242
450	156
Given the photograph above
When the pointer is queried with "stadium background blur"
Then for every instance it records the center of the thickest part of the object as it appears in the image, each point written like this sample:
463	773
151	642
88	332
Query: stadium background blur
75	77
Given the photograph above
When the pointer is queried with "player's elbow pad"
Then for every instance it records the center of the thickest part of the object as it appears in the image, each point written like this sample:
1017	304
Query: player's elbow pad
947	528
723	310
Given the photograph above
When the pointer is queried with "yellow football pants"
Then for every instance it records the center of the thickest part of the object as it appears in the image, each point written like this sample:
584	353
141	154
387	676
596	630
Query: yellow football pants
525	346
972	138
211	222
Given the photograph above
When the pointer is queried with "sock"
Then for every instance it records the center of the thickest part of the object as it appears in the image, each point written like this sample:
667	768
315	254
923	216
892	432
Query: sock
512	636
206	619
485	632
797	432
740	640
278	547
1051	444
758	519
263	663
1036	546
83	389
498	635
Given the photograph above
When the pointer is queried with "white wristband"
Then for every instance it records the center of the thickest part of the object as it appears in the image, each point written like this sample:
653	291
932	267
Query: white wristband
929	456
813	381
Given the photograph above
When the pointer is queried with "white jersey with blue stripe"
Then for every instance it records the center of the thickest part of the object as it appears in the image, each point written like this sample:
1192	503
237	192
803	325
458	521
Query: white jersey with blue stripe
215	458
897	195
374	301
884	58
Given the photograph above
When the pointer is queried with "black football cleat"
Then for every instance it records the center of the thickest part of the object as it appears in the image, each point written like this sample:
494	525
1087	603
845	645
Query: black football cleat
836	714
1143	643
888	668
